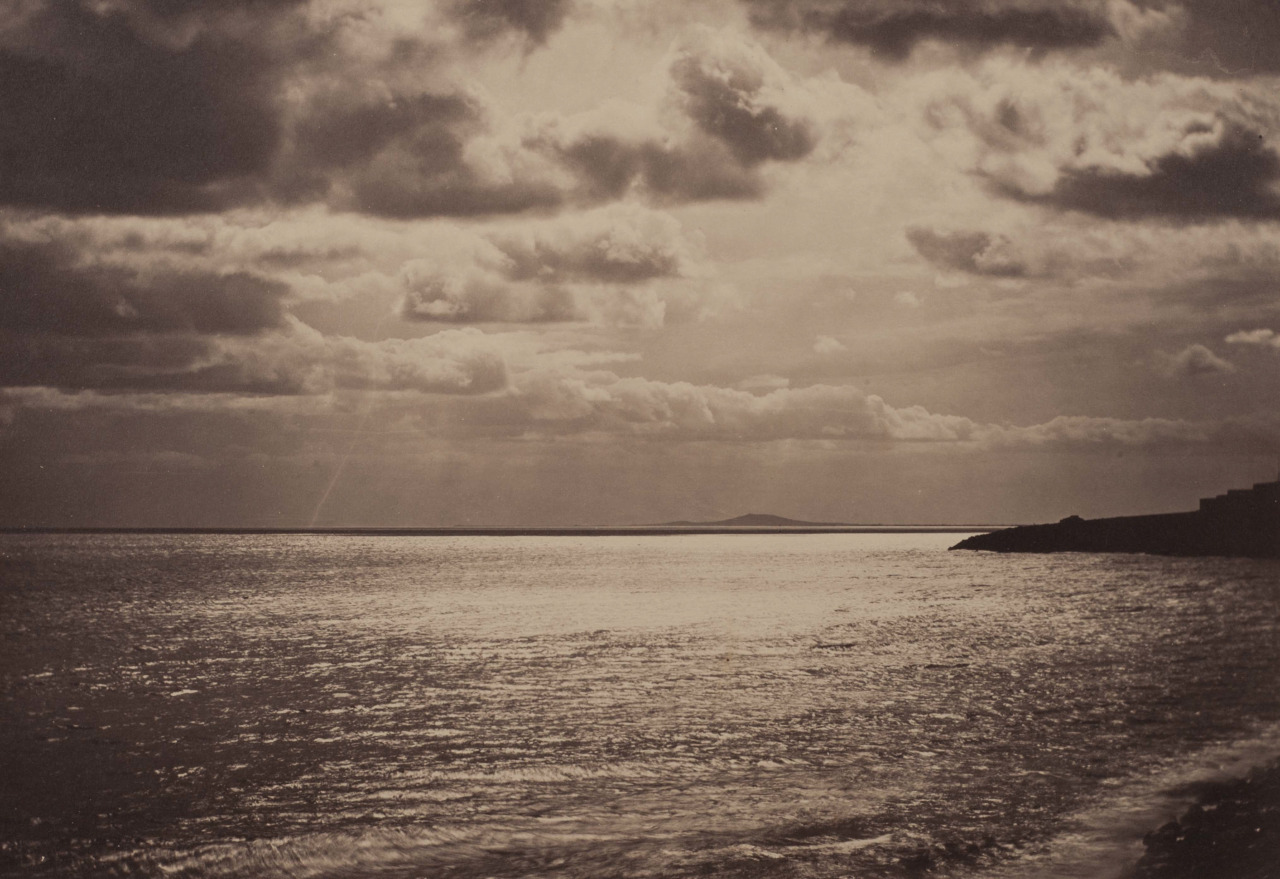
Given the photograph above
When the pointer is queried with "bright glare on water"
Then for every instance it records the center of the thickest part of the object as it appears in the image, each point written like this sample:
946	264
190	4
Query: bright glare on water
789	705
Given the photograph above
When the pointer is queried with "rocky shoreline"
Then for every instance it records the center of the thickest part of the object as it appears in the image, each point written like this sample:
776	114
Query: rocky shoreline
1232	832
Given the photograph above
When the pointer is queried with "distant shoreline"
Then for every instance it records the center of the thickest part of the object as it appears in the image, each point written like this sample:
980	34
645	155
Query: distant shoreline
608	531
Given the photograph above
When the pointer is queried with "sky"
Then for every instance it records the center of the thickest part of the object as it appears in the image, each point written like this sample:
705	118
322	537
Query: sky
503	263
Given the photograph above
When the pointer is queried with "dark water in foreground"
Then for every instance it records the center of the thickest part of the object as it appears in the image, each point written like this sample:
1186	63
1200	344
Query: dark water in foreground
772	706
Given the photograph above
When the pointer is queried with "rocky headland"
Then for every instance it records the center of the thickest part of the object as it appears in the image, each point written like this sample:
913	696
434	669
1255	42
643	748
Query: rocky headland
1242	522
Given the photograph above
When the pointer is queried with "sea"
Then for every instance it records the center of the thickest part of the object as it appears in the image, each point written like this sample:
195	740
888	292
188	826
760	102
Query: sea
784	705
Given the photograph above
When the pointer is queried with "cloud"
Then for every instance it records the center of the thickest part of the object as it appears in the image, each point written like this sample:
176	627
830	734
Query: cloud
132	107
764	382
609	167
1261	337
354	145
1222	169
1224	39
444	154
97	307
973	252
113	107
621	244
893	28
1169	146
433	293
535	20
828	346
301	371
436	294
907	299
578	402
1195	360
735	92
49	289
738	111
1230	262
296	360
608	157
620	265
1249	434
304	361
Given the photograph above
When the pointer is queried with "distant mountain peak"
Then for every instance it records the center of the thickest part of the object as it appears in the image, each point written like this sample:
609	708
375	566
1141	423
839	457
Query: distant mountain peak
757	520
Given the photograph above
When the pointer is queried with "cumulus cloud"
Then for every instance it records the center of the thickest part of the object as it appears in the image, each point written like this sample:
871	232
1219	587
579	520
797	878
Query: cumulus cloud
130	107
1095	142
973	252
622	244
828	346
1255	433
621	265
88	309
571	399
735	92
1228	262
604	401
1195	360
560	401
407	153
738	111
442	153
1221	168
306	362
1263	337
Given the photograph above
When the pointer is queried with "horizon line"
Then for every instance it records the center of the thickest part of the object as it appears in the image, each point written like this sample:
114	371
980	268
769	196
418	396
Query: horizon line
536	531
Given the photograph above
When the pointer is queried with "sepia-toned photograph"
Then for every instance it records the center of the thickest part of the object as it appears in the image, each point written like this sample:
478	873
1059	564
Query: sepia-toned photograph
639	439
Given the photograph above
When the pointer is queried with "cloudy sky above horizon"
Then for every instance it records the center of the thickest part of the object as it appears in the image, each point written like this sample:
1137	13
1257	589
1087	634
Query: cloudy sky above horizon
518	263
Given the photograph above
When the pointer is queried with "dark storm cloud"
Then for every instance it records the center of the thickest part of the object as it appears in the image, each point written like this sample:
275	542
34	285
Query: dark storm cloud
977	253
344	129
154	108
537	20
146	107
893	28
44	290
165	362
401	156
1229	37
1233	175
408	158
100	117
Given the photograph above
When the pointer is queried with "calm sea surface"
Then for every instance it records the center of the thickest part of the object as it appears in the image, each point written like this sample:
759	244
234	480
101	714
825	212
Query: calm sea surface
764	706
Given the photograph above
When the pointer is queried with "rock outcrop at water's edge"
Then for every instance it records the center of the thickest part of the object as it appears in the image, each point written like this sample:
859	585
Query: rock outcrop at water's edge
1242	522
1233	831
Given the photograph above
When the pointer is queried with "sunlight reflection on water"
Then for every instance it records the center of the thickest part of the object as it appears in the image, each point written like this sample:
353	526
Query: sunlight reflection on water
375	706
